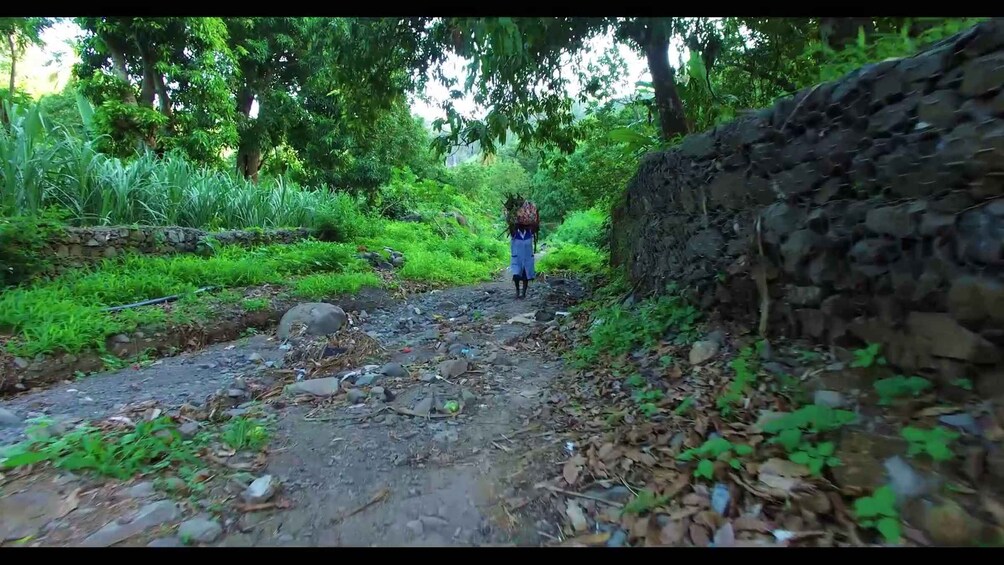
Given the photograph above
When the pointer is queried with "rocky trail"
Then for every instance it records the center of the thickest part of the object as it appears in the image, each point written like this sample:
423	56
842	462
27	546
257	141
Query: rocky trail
400	457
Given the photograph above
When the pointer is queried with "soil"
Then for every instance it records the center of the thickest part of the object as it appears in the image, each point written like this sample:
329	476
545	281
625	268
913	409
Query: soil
352	475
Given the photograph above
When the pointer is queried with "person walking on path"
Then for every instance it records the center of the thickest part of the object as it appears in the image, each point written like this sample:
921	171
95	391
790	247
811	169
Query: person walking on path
524	226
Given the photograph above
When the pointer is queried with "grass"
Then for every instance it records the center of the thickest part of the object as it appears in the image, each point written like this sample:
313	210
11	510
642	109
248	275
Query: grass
572	258
443	253
44	166
585	228
327	285
65	314
243	433
150	446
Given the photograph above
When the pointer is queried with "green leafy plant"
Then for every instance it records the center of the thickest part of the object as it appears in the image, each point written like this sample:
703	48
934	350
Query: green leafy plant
618	330
965	384
644	501
935	442
813	418
572	258
686	404
715	449
647	401
815	456
879	511
868	357
900	386
745	367
150	446
256	304
245	433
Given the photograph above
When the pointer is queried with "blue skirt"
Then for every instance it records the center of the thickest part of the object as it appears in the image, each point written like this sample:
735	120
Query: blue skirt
522	258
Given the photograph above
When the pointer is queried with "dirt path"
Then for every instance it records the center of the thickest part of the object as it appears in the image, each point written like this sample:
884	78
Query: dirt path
358	475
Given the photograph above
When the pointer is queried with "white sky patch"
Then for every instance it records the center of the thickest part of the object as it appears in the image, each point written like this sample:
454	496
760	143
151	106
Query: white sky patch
435	93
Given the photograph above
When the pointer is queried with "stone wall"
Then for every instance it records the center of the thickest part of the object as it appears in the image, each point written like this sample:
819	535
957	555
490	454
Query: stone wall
876	202
80	246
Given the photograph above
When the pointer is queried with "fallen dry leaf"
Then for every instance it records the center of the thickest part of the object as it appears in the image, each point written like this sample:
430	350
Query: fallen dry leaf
750	524
699	535
572	468
685	512
939	411
673	533
783	468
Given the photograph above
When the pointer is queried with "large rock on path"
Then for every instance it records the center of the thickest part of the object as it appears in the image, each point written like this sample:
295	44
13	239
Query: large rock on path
320	318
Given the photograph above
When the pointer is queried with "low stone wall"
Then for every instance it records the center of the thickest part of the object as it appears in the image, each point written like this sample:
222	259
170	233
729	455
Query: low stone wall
871	206
80	246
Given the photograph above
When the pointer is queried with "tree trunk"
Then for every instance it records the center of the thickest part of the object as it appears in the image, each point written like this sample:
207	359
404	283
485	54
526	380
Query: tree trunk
119	67
13	65
838	32
147	89
4	118
249	162
249	154
672	120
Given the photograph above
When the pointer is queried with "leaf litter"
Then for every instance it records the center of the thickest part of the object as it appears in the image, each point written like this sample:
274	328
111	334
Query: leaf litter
771	500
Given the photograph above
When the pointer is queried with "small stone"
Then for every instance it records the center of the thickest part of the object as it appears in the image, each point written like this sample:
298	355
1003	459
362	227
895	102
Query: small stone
8	418
617	539
394	370
175	484
255	358
468	396
200	530
21	363
366	380
235	393
166	542
355	396
188	430
326	386
141	490
261	490
427	378
447	436
424	406
453	368
149	516
703	351
829	398
377	392
544	315
950	524
433	521
962	421
416	527
720	498
906	482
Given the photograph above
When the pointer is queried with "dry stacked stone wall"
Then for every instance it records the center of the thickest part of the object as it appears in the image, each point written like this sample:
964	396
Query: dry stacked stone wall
871	205
74	247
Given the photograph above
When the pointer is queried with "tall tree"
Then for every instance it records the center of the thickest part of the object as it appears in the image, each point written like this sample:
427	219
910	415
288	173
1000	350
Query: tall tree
269	53
18	34
162	83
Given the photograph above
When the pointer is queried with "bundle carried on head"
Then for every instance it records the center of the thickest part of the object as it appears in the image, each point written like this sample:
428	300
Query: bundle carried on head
520	212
